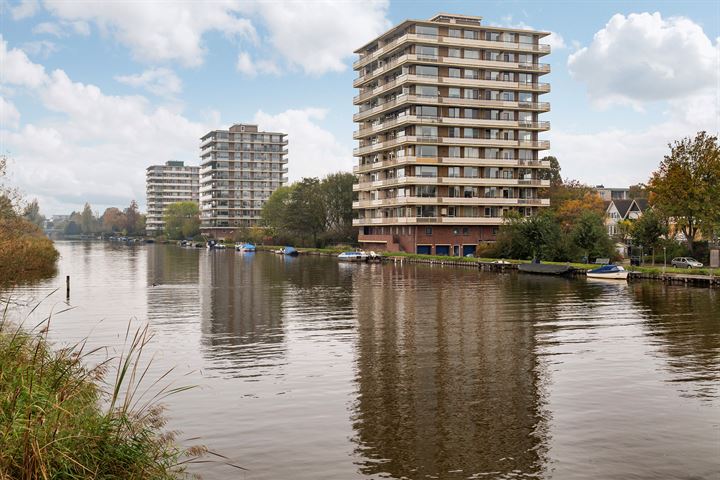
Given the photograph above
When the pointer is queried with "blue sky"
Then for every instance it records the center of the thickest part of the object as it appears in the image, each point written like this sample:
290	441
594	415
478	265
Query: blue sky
93	92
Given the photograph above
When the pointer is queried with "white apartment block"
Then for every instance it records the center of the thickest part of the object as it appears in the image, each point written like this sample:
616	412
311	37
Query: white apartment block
240	168
166	184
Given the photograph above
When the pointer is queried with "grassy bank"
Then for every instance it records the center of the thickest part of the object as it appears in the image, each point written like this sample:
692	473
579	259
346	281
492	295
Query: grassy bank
52	424
25	252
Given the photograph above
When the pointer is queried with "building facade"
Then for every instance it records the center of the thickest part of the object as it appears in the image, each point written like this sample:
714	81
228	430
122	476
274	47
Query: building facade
239	169
166	184
610	194
448	130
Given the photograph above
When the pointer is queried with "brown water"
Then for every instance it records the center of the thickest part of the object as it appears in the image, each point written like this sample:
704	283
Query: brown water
312	369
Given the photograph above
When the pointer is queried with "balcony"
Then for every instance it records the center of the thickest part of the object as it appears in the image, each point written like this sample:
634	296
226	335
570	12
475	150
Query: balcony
359	222
411	99
482	162
450	201
450	61
447	40
450	121
407	78
466	181
476	142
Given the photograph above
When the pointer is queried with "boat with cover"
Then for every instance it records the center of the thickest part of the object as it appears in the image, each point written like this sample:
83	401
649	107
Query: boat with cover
357	256
608	272
545	268
290	251
244	247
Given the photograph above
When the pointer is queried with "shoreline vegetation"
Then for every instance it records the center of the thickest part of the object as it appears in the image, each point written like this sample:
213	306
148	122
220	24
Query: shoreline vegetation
649	270
58	421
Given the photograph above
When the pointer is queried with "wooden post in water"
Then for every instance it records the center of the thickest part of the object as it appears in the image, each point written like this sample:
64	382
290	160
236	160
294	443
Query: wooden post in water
67	286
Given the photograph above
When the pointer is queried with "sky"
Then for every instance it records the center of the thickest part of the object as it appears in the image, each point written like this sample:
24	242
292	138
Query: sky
93	92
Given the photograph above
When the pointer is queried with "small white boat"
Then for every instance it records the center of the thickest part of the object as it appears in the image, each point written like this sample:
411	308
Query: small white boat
608	272
358	256
244	247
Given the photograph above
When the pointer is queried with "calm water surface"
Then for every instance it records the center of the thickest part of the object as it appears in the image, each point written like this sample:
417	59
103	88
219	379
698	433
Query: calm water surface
311	369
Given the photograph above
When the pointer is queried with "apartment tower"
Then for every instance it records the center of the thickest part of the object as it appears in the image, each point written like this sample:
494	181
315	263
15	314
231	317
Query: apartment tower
448	130
239	169
166	184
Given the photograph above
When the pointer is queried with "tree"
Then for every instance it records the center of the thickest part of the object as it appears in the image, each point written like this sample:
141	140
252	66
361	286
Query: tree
274	211
306	213
589	234
31	213
113	220
337	192
686	186
132	219
648	230
72	228
88	222
182	220
570	210
529	237
553	173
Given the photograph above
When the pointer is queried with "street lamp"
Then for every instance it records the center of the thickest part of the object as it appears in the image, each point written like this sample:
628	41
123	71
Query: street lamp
641	255
664	258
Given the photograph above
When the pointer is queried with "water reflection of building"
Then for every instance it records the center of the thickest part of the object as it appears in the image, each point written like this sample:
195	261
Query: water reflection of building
448	381
240	310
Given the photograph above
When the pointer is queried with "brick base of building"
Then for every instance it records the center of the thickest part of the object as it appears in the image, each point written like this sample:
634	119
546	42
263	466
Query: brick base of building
427	239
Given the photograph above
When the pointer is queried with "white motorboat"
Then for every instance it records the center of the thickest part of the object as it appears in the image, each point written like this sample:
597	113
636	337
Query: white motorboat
358	256
608	272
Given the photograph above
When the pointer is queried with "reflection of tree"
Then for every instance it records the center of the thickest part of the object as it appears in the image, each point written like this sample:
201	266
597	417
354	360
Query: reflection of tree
448	378
683	323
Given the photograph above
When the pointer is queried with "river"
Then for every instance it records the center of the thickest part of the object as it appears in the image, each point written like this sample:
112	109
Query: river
307	368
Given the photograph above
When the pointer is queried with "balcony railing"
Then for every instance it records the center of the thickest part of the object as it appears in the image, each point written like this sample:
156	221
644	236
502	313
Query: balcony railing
445	39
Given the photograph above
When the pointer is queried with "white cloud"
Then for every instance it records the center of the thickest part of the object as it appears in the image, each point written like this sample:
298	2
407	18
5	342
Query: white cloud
555	40
643	57
159	31
319	36
95	147
62	28
17	69
251	68
39	48
25	9
9	115
159	81
313	151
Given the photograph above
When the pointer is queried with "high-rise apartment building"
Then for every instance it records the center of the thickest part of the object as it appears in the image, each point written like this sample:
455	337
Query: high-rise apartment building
240	168
448	130
166	184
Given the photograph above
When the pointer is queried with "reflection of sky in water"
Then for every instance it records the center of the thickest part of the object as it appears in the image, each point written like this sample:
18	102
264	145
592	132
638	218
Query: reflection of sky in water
309	368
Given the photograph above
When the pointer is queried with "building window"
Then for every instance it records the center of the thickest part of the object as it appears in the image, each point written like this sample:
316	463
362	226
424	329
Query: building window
426	171
427	151
426	30
428	230
454	73
466	231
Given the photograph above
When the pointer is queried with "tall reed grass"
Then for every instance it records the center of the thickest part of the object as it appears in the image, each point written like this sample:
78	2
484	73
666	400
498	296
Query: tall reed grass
58	421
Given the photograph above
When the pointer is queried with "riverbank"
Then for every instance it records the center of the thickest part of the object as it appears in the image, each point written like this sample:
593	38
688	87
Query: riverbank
52	424
700	277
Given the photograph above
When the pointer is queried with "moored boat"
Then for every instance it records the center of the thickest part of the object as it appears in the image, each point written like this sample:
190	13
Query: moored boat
357	256
545	268
290	251
245	247
608	272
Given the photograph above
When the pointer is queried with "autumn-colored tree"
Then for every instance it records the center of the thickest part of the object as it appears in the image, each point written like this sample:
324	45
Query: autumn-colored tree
686	186
569	211
88	222
113	220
